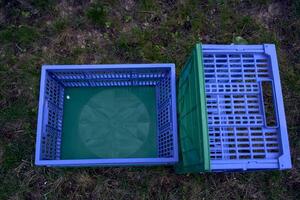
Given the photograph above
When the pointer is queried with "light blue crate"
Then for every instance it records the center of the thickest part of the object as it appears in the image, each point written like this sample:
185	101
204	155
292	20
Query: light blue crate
55	78
240	138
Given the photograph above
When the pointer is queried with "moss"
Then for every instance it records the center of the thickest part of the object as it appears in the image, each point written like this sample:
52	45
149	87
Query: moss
148	5
23	35
153	53
12	157
43	4
26	34
197	21
127	47
60	24
19	149
9	185
97	13
14	111
6	35
226	17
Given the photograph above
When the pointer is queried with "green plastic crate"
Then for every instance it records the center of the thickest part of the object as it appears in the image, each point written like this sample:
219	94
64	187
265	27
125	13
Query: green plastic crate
223	121
192	120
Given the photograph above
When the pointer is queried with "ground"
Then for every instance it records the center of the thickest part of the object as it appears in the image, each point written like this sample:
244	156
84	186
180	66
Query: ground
36	32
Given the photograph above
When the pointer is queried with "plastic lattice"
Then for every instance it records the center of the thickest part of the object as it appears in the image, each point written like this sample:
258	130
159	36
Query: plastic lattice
165	142
236	116
52	130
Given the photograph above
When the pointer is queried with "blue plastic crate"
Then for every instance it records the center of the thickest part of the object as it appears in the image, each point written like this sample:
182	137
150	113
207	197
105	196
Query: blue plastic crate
54	80
240	135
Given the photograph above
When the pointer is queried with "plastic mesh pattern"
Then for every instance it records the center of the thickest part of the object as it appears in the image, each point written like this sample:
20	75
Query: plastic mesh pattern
234	110
243	143
51	134
165	141
54	92
236	118
102	78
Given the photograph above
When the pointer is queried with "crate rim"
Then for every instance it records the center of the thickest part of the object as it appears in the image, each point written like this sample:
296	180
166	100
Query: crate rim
107	162
106	66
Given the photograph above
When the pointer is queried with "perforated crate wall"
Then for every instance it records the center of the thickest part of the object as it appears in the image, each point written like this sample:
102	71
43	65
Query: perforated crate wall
52	130
241	138
57	77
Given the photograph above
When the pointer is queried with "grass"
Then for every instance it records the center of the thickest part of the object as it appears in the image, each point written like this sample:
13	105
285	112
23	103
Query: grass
37	32
97	14
23	35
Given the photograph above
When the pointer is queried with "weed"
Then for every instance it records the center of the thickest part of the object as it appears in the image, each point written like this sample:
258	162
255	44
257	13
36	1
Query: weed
43	4
153	53
60	24
128	19
97	13
6	34
26	34
148	5
9	184
23	35
13	112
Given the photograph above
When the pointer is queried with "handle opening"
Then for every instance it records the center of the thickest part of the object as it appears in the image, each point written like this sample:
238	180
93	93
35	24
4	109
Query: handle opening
269	104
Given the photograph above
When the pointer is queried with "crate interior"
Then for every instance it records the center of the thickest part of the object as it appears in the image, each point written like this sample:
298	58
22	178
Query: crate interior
109	122
107	113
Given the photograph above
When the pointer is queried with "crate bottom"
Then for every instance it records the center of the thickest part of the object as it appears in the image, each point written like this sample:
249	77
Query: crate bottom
109	122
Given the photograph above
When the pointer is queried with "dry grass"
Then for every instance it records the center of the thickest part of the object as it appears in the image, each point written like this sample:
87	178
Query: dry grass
133	32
